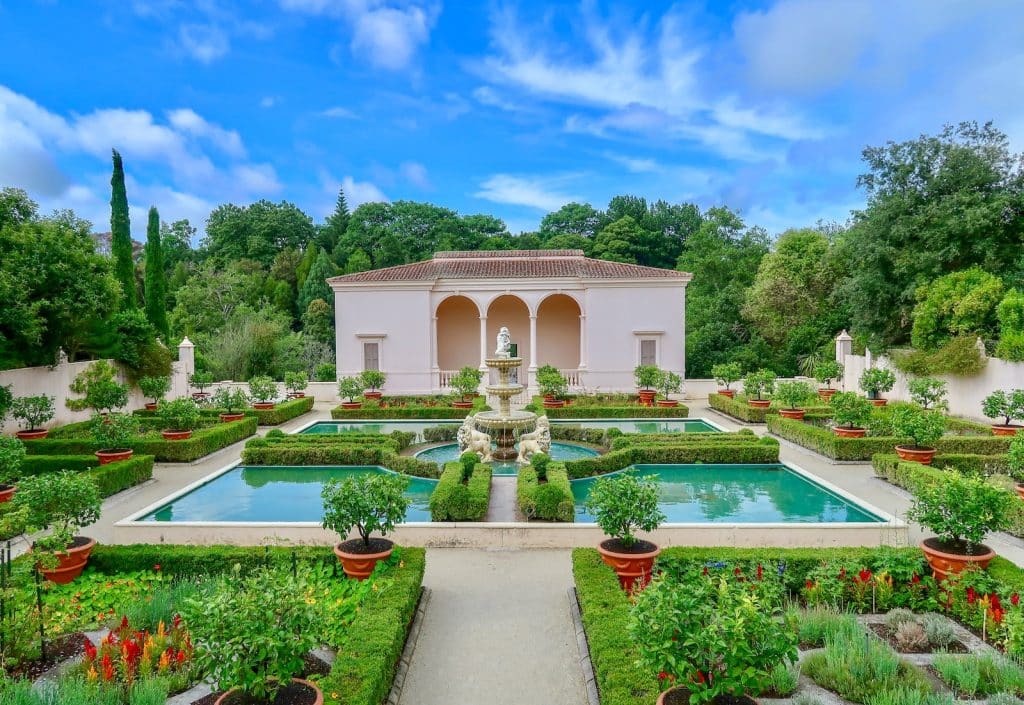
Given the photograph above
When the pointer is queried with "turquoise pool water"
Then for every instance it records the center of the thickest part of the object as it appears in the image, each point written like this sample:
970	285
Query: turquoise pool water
747	494
559	451
625	425
271	494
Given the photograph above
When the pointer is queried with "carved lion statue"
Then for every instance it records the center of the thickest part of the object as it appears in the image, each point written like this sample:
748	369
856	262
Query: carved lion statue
537	441
473	441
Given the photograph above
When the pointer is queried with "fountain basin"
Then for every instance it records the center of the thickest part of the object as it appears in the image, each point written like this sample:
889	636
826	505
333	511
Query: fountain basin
449	452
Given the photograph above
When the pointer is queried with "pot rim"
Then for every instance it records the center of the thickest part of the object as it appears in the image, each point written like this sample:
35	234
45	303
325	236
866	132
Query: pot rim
628	556
340	553
967	557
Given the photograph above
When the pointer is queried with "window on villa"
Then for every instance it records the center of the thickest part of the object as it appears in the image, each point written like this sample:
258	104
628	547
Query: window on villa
648	352
371	356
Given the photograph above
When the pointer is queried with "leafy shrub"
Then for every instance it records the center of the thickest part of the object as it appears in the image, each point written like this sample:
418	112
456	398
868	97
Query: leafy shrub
874	381
63	501
200	380
962	511
1015	456
761	382
929	392
540	462
296	381
230	399
33	412
99	388
851	410
114	431
468	461
961	303
550	381
726	373
1011	326
350	387
467	381
959	356
12	455
670	383
373	379
624	504
1010	405
180	414
924	427
155	388
552	501
939	632
793	394
826	372
910	636
455	499
326	372
262	388
366	503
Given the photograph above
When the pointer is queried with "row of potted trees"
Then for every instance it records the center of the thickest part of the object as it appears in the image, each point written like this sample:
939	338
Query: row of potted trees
651	379
367	384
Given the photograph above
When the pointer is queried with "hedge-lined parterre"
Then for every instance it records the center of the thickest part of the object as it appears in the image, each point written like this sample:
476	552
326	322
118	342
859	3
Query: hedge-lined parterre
550	501
337	449
455	500
738	408
584	408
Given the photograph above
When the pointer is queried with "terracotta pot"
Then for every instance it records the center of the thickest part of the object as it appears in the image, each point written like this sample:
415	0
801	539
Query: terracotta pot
173	435
150	406
462	404
553	404
6	492
224	699
263	405
549	397
879	401
727	392
296	395
916	455
360	565
797	414
667	403
71	564
373	394
200	396
113	455
1000	430
663	697
351	405
33	434
944	564
847	432
630	567
647	396
228	418
827	393
759	403
1020	491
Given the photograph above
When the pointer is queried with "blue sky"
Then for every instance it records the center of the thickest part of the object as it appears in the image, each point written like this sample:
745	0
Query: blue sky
510	108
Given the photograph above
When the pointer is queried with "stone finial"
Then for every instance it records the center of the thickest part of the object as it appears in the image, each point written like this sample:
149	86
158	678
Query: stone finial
186	343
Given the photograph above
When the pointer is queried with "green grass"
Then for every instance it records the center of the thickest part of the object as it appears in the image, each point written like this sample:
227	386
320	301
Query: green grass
973	675
859	667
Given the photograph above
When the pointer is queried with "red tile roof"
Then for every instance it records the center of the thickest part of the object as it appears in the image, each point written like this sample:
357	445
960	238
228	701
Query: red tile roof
510	264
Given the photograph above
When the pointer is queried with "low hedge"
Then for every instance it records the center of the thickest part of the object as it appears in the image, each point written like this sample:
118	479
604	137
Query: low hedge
824	441
568	432
110	478
625	411
442	433
763	450
977	465
400	440
632	439
283	411
402	412
552	501
203	442
738	408
259	452
452	500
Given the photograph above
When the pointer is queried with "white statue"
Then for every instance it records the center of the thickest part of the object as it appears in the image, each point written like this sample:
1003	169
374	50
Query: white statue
504	343
538	441
474	441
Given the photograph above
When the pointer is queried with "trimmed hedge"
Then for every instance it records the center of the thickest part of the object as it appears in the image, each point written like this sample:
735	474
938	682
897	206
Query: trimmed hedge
625	411
824	441
283	411
442	433
634	439
259	452
110	478
568	432
760	451
452	500
552	501
978	465
402	412
203	442
400	440
738	408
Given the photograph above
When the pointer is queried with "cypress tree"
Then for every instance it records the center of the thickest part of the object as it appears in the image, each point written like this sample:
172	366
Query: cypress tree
316	286
121	236
334	227
156	277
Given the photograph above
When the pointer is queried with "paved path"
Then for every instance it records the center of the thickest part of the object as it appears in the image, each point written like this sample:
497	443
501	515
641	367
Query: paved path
503	505
497	631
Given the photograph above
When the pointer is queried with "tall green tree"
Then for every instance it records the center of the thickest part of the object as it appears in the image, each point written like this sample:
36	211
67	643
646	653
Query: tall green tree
315	286
581	220
256	232
333	230
156	276
121	236
619	241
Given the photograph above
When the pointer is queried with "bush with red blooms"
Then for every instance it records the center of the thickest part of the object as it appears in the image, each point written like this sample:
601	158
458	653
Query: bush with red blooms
125	655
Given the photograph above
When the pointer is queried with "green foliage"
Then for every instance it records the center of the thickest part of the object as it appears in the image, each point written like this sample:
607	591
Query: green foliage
928	392
283	411
1008	405
828	371
113	431
1015	456
467	381
962	303
156	276
860	668
624	504
315	286
850	409
130	338
972	675
63	501
468	461
99	389
924	427
962	510
33	412
373	379
318	323
200	380
155	388
350	387
6	400
326	372
12	455
366	503
180	414
630	409
958	356
726	373
760	382
684	451
262	388
459	496
552	501
231	399
1011	326
874	381
793	394
296	381
647	376
550	381
256	232
540	462
121	236
670	383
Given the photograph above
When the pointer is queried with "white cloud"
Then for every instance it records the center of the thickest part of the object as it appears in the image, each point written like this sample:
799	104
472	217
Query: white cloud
416	174
634	164
339	112
187	120
203	42
268	101
359	192
485	95
537	192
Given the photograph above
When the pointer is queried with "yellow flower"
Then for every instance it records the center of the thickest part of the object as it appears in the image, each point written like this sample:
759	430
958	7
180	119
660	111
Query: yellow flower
310	601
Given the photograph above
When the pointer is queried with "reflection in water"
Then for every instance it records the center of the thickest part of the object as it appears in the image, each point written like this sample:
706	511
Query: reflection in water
276	494
737	494
559	451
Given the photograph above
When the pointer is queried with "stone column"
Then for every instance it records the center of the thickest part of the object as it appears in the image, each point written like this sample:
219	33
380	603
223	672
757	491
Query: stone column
483	355
435	382
583	341
186	367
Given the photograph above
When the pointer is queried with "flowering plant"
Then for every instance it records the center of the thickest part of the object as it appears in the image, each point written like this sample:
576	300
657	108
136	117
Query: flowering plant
124	655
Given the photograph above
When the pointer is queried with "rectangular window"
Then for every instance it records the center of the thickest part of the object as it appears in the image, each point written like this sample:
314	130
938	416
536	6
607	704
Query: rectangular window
371	356
648	352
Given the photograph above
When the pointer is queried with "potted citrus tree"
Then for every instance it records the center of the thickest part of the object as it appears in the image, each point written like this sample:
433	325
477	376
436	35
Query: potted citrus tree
180	416
826	372
758	385
647	378
850	415
1009	406
552	385
368	503
713	638
792	395
670	383
466	382
622	505
12	455
33	412
1015	459
154	388
928	393
114	434
99	388
349	388
200	380
252	635
373	380
725	374
232	401
924	428
63	502
962	511
263	391
296	383
875	381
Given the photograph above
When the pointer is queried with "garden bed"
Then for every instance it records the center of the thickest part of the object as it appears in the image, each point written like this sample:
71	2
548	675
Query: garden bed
454	500
338	449
545	501
608	408
739	409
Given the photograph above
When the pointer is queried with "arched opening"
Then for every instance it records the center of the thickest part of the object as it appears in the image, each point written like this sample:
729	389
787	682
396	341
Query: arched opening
458	333
511	312
558	332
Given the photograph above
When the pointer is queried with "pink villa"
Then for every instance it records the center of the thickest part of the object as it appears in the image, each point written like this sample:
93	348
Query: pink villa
592	319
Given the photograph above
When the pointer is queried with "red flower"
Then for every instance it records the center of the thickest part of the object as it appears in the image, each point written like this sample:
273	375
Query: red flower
808	584
90	651
915	579
737	572
842	573
157	567
864	575
108	668
662	676
181	657
972	596
124	622
705	570
177	621
997	615
700	677
760	572
994	602
1014	599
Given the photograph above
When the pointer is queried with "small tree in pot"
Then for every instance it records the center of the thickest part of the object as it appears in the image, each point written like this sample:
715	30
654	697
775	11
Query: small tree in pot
923	427
200	381
670	383
233	401
725	374
114	434
180	416
792	395
875	381
368	503
962	511
12	455
621	505
263	391
647	378
1009	406
850	414
349	388
373	380
929	392
33	412
826	372
99	389
64	502
296	383
466	382
552	385
759	384
154	388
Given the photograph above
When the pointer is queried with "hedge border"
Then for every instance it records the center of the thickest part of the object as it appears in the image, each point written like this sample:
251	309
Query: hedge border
764	450
452	500
283	411
739	409
528	488
588	411
337	454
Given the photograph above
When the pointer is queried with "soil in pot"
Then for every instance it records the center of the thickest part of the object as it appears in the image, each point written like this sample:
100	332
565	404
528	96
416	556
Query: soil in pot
1001	430
33	434
952	557
298	692
681	696
358	559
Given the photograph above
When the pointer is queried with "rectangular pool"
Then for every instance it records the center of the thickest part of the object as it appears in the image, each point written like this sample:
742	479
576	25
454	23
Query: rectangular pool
624	425
754	494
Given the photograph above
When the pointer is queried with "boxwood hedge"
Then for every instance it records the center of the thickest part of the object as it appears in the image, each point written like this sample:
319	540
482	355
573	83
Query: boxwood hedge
568	432
289	450
741	450
283	411
110	478
552	501
738	408
630	410
452	500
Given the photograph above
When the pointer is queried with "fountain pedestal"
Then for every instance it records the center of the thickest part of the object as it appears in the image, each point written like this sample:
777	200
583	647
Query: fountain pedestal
503	423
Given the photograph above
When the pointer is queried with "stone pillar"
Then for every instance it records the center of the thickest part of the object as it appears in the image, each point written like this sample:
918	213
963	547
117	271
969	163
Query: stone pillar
533	343
186	367
435	382
844	347
583	341
483	342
